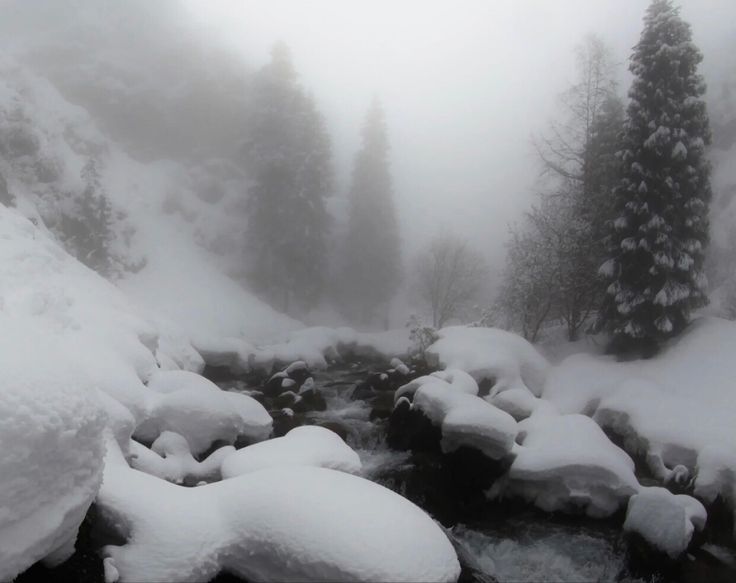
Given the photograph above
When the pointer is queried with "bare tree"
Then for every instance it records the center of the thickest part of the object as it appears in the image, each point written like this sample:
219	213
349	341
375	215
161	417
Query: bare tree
527	295
450	276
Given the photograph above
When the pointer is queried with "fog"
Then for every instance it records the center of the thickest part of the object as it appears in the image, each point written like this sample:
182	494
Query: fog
466	89
465	85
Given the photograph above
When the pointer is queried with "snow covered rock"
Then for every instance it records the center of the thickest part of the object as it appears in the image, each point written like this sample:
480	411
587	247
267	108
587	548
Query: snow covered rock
170	459
664	520
466	420
517	402
456	378
303	446
276	524
490	354
190	405
566	463
51	431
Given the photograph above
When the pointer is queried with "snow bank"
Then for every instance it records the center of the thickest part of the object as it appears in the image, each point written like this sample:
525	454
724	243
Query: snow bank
666	521
502	357
190	405
465	420
276	524
51	431
302	446
671	407
566	463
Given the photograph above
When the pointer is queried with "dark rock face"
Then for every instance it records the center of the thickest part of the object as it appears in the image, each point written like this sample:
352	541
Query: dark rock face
409	429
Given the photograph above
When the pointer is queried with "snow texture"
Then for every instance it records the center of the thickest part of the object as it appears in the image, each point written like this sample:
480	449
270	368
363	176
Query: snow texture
302	446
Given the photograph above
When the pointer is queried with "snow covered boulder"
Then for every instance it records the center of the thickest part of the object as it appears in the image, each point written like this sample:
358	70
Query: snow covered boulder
190	405
492	355
565	463
302	446
170	459
664	520
51	431
466	420
291	523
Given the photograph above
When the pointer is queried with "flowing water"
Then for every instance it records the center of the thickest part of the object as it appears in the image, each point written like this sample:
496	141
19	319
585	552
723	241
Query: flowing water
520	544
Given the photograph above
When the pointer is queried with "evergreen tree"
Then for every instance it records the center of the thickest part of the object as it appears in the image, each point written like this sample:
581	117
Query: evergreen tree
87	228
656	247
371	271
288	156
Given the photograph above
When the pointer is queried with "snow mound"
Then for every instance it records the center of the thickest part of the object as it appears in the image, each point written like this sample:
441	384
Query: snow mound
52	435
466	420
170	459
498	356
302	446
665	520
566	463
190	405
517	402
277	524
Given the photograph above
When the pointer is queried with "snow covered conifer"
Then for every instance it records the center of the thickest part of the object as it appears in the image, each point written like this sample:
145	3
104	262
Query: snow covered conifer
371	269
654	269
288	155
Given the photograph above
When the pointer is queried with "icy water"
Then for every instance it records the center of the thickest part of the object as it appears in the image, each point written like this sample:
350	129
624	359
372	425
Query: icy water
520	544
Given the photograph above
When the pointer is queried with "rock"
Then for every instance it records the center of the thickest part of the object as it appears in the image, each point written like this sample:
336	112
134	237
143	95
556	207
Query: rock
335	427
312	400
287	399
382	405
410	429
284	420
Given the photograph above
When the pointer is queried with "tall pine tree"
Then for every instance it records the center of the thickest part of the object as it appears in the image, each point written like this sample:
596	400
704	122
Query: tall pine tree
288	156
372	264
658	238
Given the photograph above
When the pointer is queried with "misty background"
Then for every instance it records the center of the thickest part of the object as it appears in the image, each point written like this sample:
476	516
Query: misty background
465	87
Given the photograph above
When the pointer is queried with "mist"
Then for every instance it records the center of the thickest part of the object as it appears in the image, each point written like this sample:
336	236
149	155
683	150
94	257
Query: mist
391	290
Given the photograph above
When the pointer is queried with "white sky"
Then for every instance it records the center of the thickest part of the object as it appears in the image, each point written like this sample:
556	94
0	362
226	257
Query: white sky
465	83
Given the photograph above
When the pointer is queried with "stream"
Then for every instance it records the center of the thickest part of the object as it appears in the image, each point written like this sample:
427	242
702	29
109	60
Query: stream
505	542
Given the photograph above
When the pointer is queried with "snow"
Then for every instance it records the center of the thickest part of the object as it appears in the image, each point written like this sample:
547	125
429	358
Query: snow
565	463
665	520
190	405
489	353
284	523
171	459
659	404
52	435
307	445
465	419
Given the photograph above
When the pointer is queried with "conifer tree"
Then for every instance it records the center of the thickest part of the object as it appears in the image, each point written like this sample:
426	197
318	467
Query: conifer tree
654	269
371	270
288	156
